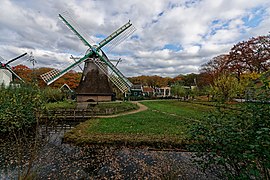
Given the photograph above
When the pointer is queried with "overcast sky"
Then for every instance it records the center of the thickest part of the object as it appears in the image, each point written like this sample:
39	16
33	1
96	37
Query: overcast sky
172	37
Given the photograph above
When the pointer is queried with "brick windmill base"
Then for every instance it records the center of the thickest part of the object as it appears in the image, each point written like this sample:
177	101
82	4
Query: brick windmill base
94	85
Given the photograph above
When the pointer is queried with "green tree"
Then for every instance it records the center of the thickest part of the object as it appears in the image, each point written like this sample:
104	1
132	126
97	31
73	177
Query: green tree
178	90
194	92
225	88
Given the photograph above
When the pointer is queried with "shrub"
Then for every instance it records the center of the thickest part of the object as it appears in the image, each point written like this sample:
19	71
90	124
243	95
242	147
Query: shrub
18	107
52	95
237	141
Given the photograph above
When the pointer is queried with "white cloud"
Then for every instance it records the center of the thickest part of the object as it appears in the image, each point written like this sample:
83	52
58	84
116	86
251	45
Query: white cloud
199	30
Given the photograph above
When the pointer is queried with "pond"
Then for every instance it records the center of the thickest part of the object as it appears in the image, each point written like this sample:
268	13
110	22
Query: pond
49	158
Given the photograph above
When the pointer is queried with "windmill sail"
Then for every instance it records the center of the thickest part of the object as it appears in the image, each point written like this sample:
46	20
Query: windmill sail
8	68
74	30
55	74
98	57
115	76
117	36
65	18
14	59
1	60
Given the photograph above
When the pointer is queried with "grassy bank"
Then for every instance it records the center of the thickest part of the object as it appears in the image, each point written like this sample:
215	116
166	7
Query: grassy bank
61	105
164	124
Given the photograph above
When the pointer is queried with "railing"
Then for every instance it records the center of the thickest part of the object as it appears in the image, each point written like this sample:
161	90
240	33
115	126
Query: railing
79	114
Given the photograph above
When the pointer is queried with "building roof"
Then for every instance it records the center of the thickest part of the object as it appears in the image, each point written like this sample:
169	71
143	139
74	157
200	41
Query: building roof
65	86
137	87
148	89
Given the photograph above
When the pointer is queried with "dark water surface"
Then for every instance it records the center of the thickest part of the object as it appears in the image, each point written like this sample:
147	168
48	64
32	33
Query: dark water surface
56	160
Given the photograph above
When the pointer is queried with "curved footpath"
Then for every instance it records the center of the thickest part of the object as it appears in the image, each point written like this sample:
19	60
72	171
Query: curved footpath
141	108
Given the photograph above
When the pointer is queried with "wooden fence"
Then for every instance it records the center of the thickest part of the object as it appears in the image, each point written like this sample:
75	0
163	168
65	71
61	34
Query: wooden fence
78	114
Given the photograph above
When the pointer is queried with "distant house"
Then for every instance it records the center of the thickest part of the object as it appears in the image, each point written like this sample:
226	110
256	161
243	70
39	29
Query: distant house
148	91
65	87
136	90
69	92
163	92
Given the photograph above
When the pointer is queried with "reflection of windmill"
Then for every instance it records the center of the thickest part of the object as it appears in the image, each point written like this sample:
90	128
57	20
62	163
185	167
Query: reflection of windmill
98	69
6	71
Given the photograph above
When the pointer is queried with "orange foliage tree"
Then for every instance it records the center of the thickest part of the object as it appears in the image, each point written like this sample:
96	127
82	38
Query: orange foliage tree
72	78
24	72
247	57
153	81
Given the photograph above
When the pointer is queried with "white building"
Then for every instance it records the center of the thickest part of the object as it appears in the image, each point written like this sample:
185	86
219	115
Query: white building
163	92
5	77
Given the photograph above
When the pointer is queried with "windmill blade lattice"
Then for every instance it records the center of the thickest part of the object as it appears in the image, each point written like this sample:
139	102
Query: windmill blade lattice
55	74
75	60
114	75
76	28
117	36
95	53
1	59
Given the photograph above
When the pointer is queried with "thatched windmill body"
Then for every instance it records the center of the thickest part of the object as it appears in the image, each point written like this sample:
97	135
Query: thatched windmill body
98	72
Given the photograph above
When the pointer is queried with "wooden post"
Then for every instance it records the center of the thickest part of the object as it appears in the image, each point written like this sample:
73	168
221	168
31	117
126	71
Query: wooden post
74	114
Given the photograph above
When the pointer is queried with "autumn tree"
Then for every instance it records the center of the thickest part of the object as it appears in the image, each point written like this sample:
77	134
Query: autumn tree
38	72
72	78
250	56
24	72
177	79
153	81
215	67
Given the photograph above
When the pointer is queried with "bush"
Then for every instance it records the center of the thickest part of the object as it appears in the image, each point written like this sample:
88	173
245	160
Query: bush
18	107
238	141
52	95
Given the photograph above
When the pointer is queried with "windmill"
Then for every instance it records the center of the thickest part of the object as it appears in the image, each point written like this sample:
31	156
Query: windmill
6	71
98	69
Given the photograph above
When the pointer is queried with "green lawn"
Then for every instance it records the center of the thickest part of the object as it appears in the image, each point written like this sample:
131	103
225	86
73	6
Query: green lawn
164	123
119	106
180	108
